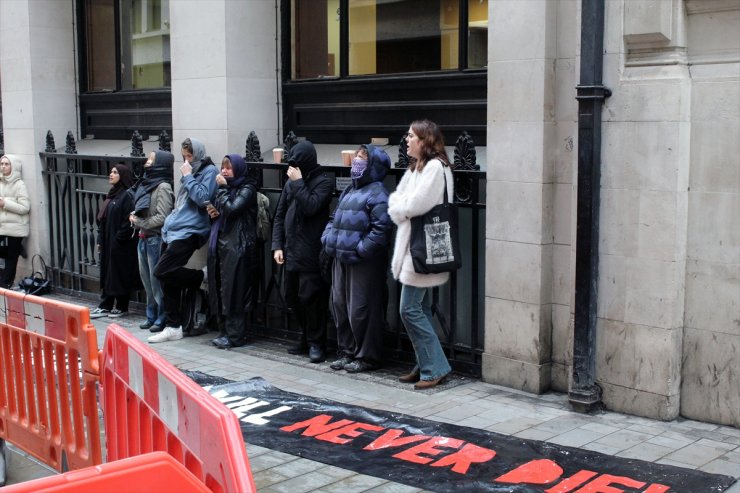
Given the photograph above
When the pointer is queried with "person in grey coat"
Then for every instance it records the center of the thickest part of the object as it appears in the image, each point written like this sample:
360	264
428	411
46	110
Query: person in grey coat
153	202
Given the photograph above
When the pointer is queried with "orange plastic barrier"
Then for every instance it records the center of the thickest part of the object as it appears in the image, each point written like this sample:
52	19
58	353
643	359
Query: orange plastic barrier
49	370
156	471
149	405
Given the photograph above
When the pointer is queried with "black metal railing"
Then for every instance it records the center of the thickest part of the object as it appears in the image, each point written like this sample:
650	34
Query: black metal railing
76	186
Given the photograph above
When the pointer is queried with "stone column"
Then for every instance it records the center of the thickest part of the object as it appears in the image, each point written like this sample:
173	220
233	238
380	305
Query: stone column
224	73
519	232
37	50
710	376
223	77
645	156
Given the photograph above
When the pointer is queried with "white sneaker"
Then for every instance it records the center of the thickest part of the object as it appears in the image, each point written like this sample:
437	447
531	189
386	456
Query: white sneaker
115	313
168	334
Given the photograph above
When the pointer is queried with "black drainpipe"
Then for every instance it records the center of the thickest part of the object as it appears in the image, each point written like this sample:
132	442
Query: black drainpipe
585	394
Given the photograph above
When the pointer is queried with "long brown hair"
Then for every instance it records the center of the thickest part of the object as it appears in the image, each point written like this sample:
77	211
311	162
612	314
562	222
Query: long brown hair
432	144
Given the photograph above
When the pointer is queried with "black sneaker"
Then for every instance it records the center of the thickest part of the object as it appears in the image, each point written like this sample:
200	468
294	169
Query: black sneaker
146	325
316	353
339	364
222	343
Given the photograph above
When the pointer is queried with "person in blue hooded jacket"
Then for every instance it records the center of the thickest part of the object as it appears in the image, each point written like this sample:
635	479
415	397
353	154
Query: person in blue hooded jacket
358	238
185	230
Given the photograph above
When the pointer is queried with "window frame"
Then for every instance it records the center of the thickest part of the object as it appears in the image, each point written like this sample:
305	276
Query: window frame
287	41
115	114
334	110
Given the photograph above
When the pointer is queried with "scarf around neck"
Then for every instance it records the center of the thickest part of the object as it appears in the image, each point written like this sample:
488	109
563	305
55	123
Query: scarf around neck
233	183
126	179
159	172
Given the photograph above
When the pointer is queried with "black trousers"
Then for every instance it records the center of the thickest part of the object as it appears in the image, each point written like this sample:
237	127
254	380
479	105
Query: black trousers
358	308
175	277
11	260
308	297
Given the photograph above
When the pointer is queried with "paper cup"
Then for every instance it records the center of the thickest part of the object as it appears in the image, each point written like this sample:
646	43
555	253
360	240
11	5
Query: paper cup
277	154
347	157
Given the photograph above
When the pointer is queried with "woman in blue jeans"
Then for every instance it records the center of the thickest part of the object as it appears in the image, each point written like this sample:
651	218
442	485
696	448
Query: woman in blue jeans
420	189
153	201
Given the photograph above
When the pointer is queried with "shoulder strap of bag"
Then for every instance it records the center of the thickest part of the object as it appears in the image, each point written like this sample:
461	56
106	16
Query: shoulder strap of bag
444	175
42	263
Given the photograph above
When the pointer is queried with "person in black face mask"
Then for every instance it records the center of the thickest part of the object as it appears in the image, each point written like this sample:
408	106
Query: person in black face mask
300	217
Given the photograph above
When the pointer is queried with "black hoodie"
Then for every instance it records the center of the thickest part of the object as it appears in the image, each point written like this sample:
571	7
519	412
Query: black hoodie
302	212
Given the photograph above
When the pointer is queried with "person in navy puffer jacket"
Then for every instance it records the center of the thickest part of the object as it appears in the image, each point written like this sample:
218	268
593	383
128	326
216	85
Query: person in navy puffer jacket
358	238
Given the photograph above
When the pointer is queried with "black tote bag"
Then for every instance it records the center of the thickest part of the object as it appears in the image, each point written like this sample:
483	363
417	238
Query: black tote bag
434	244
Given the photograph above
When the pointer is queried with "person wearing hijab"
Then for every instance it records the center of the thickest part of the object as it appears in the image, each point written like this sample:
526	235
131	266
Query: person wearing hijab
15	207
357	238
232	251
119	272
153	201
185	230
300	217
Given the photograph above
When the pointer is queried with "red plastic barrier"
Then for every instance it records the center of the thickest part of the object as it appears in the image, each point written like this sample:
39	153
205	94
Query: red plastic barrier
148	405
49	370
156	471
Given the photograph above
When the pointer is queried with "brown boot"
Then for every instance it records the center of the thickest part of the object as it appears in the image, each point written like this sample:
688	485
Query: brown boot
428	384
410	377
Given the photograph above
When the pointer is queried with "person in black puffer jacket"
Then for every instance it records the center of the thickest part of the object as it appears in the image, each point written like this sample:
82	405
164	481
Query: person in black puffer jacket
300	217
358	239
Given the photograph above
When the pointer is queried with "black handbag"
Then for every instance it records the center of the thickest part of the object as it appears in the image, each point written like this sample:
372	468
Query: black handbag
434	244
36	283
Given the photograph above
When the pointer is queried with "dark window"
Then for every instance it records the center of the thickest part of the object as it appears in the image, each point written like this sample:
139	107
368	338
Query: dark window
357	69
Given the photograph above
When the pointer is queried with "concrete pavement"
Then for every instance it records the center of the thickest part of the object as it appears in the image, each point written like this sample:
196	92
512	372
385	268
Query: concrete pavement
466	402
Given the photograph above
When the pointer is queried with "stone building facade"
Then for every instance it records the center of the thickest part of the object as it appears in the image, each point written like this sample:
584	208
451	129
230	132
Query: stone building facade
667	339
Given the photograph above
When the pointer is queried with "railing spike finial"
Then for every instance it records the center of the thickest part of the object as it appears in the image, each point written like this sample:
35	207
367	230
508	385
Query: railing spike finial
165	142
465	156
253	153
71	147
137	146
50	146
